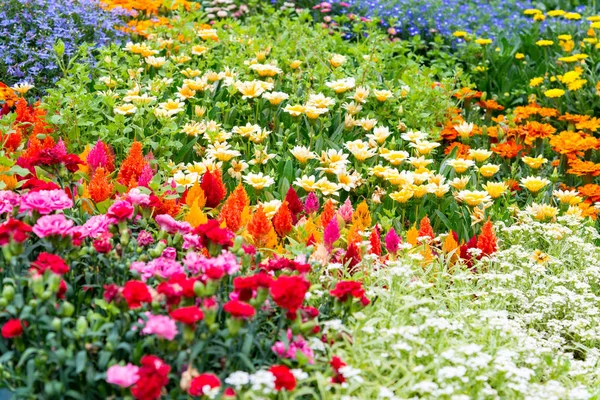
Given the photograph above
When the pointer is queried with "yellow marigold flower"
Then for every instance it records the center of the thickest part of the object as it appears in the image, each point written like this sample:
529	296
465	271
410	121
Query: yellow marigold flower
419	190
568	59
534	184
337	60
295	64
578	84
572	16
519	56
534	162
495	189
532	11
473	197
489	170
570	76
544	42
539	17
459	34
534	82
402	196
483	42
593	18
556	13
554	93
565	37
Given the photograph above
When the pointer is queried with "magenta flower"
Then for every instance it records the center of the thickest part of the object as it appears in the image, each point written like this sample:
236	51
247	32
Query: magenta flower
146	176
311	204
123	376
96	225
160	325
8	200
50	225
392	240
145	238
45	201
331	233
165	267
98	157
120	210
197	263
170	225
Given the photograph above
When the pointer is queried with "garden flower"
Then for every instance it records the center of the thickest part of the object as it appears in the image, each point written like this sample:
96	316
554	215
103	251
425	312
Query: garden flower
288	292
460	165
495	189
12	328
46	261
474	197
136	293
123	376
188	315
284	378
554	93
534	184
207	385
489	170
570	197
341	85
8	200
45	201
153	376
295	110
541	212
275	98
250	89
125	109
160	325
238	309
382	95
50	225
479	155
337	60
483	42
171	107
534	162
402	196
258	180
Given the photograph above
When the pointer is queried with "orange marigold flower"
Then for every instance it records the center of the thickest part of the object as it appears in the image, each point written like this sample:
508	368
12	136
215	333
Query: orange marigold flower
535	130
100	188
525	112
572	142
462	152
282	220
591	191
592	124
573	118
588	210
581	168
466	94
508	149
490	105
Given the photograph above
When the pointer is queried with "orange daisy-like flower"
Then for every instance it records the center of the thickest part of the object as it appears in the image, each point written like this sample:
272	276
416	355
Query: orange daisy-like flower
535	130
490	105
591	191
568	142
592	124
508	149
462	152
466	94
588	210
581	168
525	112
573	118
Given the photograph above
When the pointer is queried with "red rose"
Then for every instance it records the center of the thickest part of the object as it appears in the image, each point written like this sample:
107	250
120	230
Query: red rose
188	315
12	328
154	375
239	309
204	383
52	262
211	232
288	292
136	293
13	229
284	379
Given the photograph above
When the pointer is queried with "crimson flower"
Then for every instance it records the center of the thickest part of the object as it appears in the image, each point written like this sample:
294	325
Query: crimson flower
284	379
136	293
188	315
12	328
14	229
199	383
52	262
288	292
154	375
239	309
211	232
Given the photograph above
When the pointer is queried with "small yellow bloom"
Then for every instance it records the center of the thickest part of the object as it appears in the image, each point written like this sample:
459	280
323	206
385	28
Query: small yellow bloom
534	82
556	13
532	11
295	64
495	189
459	34
460	165
519	56
544	43
534	184
534	162
483	42
402	196
489	170
572	16
554	93
473	197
